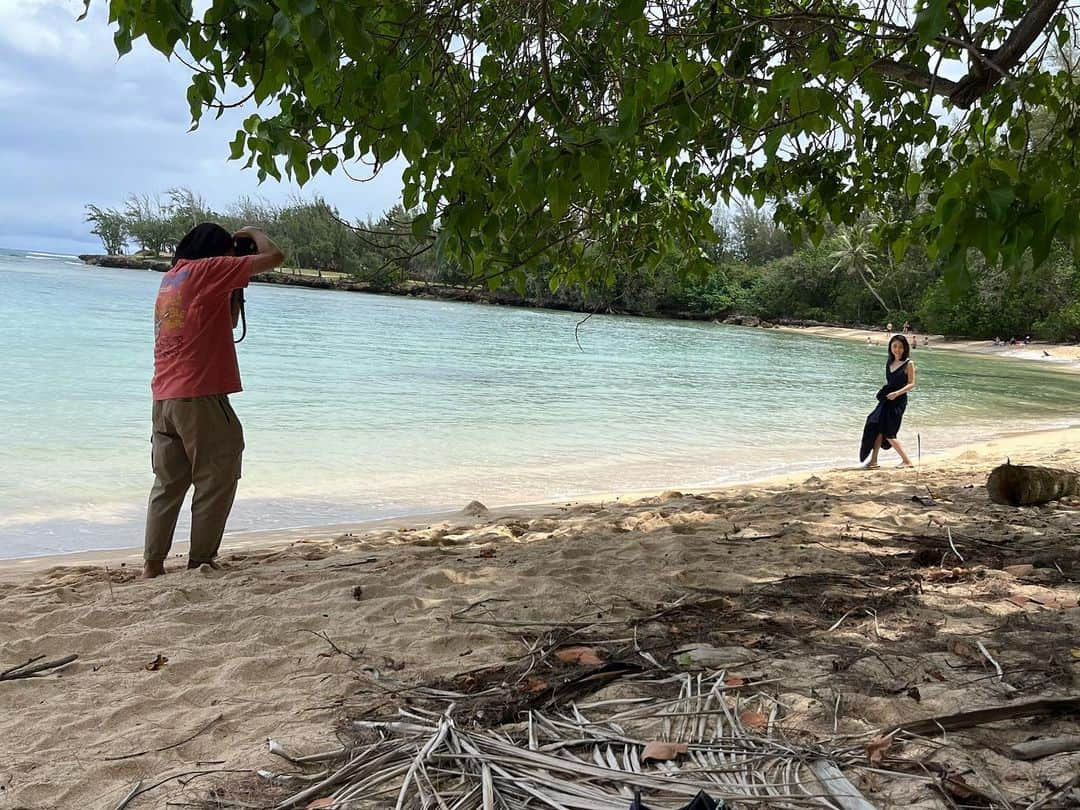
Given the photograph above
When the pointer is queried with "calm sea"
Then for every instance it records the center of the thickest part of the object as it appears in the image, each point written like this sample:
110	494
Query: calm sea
361	406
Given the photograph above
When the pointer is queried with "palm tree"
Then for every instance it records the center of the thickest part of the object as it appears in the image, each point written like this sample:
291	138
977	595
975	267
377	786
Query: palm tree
855	256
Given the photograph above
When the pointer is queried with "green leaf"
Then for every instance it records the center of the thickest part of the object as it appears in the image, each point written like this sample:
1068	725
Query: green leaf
931	19
629	10
122	40
913	184
558	196
421	225
596	169
998	201
236	148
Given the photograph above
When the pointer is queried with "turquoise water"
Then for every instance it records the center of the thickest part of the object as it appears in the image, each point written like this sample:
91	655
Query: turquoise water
360	406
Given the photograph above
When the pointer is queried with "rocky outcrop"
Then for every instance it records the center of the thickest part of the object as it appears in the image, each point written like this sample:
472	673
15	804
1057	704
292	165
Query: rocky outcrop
128	262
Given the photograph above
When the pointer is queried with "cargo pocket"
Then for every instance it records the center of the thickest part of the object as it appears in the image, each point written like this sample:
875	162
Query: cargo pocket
168	459
227	461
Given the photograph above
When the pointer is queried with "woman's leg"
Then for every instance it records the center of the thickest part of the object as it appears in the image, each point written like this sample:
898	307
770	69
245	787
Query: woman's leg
906	462
873	456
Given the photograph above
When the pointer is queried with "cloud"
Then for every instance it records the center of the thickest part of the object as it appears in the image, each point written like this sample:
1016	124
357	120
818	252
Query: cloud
80	126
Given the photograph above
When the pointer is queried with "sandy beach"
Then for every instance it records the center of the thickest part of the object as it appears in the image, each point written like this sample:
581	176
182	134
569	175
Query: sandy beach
1064	356
841	588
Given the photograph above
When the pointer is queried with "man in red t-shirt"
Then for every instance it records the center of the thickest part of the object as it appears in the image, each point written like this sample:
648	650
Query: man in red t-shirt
197	438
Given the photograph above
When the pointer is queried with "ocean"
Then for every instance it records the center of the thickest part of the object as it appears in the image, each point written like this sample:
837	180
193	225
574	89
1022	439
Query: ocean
363	406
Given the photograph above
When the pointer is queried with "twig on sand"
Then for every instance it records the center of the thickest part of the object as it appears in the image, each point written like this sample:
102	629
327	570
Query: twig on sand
27	671
952	545
167	747
1049	797
459	613
131	795
990	658
138	790
365	561
329	641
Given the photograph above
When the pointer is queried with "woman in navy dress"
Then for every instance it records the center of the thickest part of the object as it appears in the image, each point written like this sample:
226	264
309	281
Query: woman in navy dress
884	422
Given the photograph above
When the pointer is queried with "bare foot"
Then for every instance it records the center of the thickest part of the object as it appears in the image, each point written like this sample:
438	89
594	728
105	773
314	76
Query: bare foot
153	569
192	564
903	464
872	466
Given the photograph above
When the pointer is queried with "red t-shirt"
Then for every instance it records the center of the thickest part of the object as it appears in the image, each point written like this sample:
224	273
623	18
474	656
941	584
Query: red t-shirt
194	354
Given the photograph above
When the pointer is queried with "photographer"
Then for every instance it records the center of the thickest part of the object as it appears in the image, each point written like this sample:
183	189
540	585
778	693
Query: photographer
197	438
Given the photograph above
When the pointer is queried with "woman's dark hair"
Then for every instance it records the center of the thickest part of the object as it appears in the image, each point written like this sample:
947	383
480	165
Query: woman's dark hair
903	342
203	241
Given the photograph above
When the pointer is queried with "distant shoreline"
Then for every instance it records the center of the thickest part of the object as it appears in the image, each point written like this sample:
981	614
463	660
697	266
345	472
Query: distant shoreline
337	281
1062	356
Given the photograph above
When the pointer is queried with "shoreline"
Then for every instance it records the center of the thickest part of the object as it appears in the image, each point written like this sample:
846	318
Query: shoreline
1029	441
1064	357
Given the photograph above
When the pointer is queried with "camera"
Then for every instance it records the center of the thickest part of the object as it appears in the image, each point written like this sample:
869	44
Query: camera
244	246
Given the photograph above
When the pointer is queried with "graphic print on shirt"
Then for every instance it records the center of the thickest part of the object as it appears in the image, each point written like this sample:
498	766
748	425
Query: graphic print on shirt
169	313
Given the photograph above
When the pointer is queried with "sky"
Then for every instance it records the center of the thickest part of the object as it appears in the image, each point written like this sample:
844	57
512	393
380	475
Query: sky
78	126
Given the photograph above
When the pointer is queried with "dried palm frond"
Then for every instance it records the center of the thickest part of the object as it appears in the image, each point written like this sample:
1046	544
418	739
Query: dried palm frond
735	750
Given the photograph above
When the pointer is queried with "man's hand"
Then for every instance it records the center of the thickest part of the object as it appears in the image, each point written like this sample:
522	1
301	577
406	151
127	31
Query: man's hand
268	254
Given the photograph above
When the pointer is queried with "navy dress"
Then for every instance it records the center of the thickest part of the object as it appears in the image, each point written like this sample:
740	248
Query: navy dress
885	419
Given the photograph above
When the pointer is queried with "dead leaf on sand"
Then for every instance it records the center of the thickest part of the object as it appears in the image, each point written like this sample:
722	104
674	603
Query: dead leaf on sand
327	802
754	720
663	751
586	656
877	748
535	685
156	664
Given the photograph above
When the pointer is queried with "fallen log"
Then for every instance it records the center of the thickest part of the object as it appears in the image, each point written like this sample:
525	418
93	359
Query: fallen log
1023	485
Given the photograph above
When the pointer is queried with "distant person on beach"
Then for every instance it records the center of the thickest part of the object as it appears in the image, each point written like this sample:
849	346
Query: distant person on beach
906	327
888	327
197	438
883	423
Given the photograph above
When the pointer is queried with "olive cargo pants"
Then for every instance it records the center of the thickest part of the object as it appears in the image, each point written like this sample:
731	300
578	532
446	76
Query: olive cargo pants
196	440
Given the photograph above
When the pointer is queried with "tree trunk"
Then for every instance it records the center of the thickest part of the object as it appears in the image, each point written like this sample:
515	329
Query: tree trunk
874	292
1020	485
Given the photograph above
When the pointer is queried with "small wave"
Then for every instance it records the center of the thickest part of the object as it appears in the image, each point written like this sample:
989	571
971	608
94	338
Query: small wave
38	254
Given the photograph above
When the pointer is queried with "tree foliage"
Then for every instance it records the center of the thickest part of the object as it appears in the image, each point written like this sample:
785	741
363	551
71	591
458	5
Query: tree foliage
110	226
578	131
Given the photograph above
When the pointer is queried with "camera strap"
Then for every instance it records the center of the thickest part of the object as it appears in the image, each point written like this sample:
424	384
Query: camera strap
243	320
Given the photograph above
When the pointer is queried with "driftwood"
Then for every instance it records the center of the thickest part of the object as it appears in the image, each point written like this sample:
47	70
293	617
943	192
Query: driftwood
30	668
1037	749
954	722
1023	485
